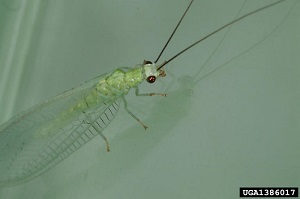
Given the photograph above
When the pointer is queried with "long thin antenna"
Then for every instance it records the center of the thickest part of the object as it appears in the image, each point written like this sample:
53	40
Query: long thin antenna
219	29
161	52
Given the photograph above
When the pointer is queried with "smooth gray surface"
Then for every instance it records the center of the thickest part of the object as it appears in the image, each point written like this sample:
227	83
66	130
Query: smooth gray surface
237	127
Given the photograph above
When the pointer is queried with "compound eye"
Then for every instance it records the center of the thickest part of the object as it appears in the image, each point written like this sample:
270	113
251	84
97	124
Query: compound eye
147	62
151	79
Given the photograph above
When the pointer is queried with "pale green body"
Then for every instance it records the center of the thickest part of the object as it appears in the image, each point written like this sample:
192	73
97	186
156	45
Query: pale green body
44	135
108	89
111	87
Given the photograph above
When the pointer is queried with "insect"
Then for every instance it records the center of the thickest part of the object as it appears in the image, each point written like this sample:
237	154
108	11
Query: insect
39	138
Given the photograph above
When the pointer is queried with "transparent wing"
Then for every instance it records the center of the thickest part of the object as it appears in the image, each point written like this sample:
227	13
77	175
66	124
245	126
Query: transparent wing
44	135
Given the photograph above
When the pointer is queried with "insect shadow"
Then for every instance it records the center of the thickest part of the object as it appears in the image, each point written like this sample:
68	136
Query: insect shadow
171	110
133	144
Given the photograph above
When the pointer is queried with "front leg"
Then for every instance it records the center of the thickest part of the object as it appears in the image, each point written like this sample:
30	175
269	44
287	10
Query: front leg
131	114
148	94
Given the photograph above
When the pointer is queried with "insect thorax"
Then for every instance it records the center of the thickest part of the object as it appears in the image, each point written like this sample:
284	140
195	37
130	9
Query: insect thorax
119	82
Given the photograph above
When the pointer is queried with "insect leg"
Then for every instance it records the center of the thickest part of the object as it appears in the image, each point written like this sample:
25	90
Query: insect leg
148	94
99	130
103	137
132	115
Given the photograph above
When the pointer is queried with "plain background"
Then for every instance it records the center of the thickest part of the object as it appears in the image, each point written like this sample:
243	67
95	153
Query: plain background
236	127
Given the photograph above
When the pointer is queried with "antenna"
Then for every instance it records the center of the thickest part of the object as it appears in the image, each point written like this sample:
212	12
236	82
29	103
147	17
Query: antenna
214	32
161	52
